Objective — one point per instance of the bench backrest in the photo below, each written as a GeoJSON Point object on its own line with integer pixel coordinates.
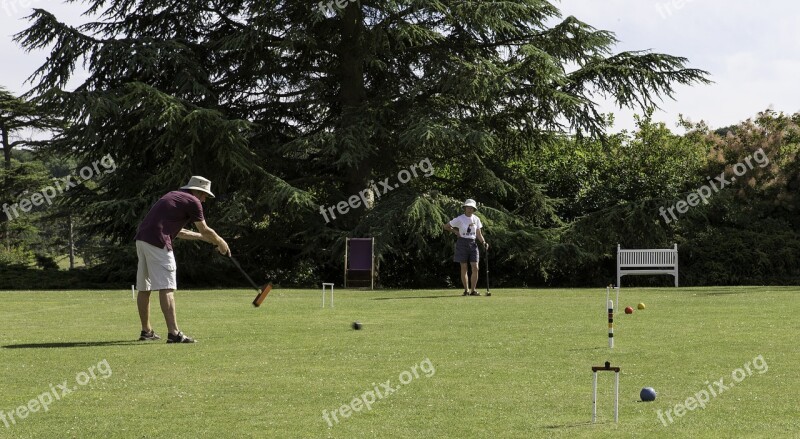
{"type": "Point", "coordinates": [647, 257]}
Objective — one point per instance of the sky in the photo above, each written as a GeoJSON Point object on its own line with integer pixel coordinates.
{"type": "Point", "coordinates": [751, 50]}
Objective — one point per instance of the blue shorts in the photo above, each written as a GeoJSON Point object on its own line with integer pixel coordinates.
{"type": "Point", "coordinates": [466, 251]}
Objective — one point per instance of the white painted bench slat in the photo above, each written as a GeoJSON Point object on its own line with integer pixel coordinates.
{"type": "Point", "coordinates": [647, 261]}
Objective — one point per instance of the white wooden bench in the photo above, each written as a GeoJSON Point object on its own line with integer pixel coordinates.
{"type": "Point", "coordinates": [650, 261]}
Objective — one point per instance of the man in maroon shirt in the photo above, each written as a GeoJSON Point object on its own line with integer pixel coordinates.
{"type": "Point", "coordinates": [157, 270]}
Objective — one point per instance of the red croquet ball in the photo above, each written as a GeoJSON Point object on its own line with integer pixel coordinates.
{"type": "Point", "coordinates": [628, 310]}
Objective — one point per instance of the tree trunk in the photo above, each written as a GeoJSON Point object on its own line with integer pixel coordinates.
{"type": "Point", "coordinates": [4, 195]}
{"type": "Point", "coordinates": [353, 96]}
{"type": "Point", "coordinates": [6, 148]}
{"type": "Point", "coordinates": [71, 243]}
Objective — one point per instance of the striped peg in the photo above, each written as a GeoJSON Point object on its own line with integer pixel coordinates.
{"type": "Point", "coordinates": [610, 323]}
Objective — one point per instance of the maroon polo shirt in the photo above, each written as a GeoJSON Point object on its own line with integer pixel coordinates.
{"type": "Point", "coordinates": [168, 216]}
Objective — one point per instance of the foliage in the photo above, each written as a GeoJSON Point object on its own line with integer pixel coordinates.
{"type": "Point", "coordinates": [290, 109]}
{"type": "Point", "coordinates": [746, 234]}
{"type": "Point", "coordinates": [286, 107]}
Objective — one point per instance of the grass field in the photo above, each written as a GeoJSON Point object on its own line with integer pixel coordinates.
{"type": "Point", "coordinates": [515, 365]}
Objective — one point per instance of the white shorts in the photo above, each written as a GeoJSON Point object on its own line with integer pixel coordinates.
{"type": "Point", "coordinates": [157, 269]}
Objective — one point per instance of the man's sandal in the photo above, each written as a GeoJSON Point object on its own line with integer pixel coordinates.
{"type": "Point", "coordinates": [179, 338]}
{"type": "Point", "coordinates": [146, 336]}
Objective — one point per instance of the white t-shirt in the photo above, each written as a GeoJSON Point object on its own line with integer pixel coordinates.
{"type": "Point", "coordinates": [467, 226]}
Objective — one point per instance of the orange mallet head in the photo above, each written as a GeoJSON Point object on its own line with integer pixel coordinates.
{"type": "Point", "coordinates": [262, 295]}
{"type": "Point", "coordinates": [262, 291]}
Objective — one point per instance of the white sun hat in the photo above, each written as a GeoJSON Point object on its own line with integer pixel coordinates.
{"type": "Point", "coordinates": [200, 184]}
{"type": "Point", "coordinates": [470, 203]}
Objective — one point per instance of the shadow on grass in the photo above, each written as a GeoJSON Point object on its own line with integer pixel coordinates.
{"type": "Point", "coordinates": [77, 344]}
{"type": "Point", "coordinates": [577, 424]}
{"type": "Point", "coordinates": [417, 297]}
{"type": "Point", "coordinates": [587, 349]}
{"type": "Point", "coordinates": [720, 293]}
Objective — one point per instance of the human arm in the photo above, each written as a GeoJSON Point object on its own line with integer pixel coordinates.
{"type": "Point", "coordinates": [208, 235]}
{"type": "Point", "coordinates": [190, 235]}
{"type": "Point", "coordinates": [482, 239]}
{"type": "Point", "coordinates": [447, 227]}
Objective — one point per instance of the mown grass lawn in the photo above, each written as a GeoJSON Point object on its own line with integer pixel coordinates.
{"type": "Point", "coordinates": [515, 365]}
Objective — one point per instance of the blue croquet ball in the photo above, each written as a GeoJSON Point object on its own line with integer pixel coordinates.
{"type": "Point", "coordinates": [356, 325]}
{"type": "Point", "coordinates": [648, 394]}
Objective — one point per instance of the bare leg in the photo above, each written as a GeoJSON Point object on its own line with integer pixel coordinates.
{"type": "Point", "coordinates": [167, 299]}
{"type": "Point", "coordinates": [464, 277]}
{"type": "Point", "coordinates": [143, 302]}
{"type": "Point", "coordinates": [474, 275]}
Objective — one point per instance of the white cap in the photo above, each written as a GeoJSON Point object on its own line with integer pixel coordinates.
{"type": "Point", "coordinates": [470, 203]}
